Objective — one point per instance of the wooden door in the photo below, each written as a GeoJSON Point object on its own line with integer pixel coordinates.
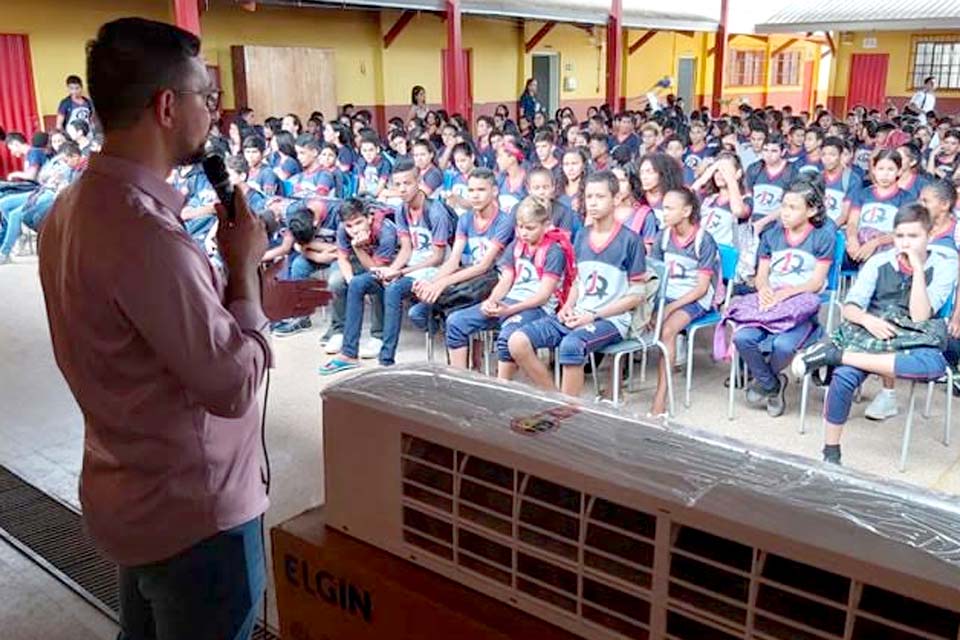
{"type": "Point", "coordinates": [274, 81]}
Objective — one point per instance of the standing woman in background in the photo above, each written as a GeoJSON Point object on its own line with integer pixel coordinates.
{"type": "Point", "coordinates": [418, 103]}
{"type": "Point", "coordinates": [529, 105]}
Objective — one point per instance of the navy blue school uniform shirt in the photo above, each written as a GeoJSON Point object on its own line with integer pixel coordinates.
{"type": "Point", "coordinates": [519, 263]}
{"type": "Point", "coordinates": [768, 188]}
{"type": "Point", "coordinates": [793, 257]}
{"type": "Point", "coordinates": [486, 156]}
{"type": "Point", "coordinates": [382, 246]}
{"type": "Point", "coordinates": [265, 180]}
{"type": "Point", "coordinates": [431, 180]}
{"type": "Point", "coordinates": [694, 157]}
{"type": "Point", "coordinates": [289, 165]}
{"type": "Point", "coordinates": [76, 111]}
{"type": "Point", "coordinates": [838, 186]}
{"type": "Point", "coordinates": [606, 270]}
{"type": "Point", "coordinates": [481, 238]}
{"type": "Point", "coordinates": [371, 174]}
{"type": "Point", "coordinates": [631, 142]}
{"type": "Point", "coordinates": [685, 261]}
{"type": "Point", "coordinates": [793, 157]}
{"type": "Point", "coordinates": [426, 228]}
{"type": "Point", "coordinates": [915, 184]}
{"type": "Point", "coordinates": [718, 219]}
{"type": "Point", "coordinates": [876, 210]}
{"type": "Point", "coordinates": [511, 193]}
{"type": "Point", "coordinates": [947, 242]}
{"type": "Point", "coordinates": [346, 158]}
{"type": "Point", "coordinates": [36, 157]}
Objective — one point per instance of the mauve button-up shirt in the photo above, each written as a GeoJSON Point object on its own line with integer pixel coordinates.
{"type": "Point", "coordinates": [165, 375]}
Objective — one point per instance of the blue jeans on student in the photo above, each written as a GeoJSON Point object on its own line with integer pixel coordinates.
{"type": "Point", "coordinates": [211, 591]}
{"type": "Point", "coordinates": [31, 214]}
{"type": "Point", "coordinates": [353, 294]}
{"type": "Point", "coordinates": [300, 268]}
{"type": "Point", "coordinates": [915, 364]}
{"type": "Point", "coordinates": [337, 285]}
{"type": "Point", "coordinates": [393, 296]}
{"type": "Point", "coordinates": [511, 325]}
{"type": "Point", "coordinates": [463, 323]}
{"type": "Point", "coordinates": [575, 344]}
{"type": "Point", "coordinates": [952, 353]}
{"type": "Point", "coordinates": [11, 201]}
{"type": "Point", "coordinates": [767, 354]}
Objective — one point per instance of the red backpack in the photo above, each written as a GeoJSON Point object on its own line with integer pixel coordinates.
{"type": "Point", "coordinates": [553, 236]}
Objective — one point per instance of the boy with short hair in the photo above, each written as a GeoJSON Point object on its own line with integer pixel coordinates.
{"type": "Point", "coordinates": [797, 138]}
{"type": "Point", "coordinates": [456, 178]}
{"type": "Point", "coordinates": [812, 144]}
{"type": "Point", "coordinates": [33, 157]}
{"type": "Point", "coordinates": [751, 151]}
{"type": "Point", "coordinates": [76, 107]}
{"type": "Point", "coordinates": [372, 168]}
{"type": "Point", "coordinates": [238, 170]}
{"type": "Point", "coordinates": [198, 213]}
{"type": "Point", "coordinates": [486, 153]}
{"type": "Point", "coordinates": [837, 178]}
{"type": "Point", "coordinates": [611, 266]}
{"type": "Point", "coordinates": [946, 160]}
{"type": "Point", "coordinates": [769, 179]}
{"type": "Point", "coordinates": [259, 175]}
{"type": "Point", "coordinates": [625, 136]}
{"type": "Point", "coordinates": [909, 281]}
{"type": "Point", "coordinates": [698, 151]}
{"type": "Point", "coordinates": [423, 228]}
{"type": "Point", "coordinates": [599, 146]}
{"type": "Point", "coordinates": [545, 147]}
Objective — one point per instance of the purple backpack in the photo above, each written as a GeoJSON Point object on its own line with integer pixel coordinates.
{"type": "Point", "coordinates": [744, 311]}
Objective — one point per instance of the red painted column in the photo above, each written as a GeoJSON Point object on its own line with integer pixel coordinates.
{"type": "Point", "coordinates": [456, 98]}
{"type": "Point", "coordinates": [186, 15]}
{"type": "Point", "coordinates": [614, 54]}
{"type": "Point", "coordinates": [718, 59]}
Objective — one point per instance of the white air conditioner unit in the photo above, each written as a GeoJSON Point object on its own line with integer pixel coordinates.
{"type": "Point", "coordinates": [612, 528]}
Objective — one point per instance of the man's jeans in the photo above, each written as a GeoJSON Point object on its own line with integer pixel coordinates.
{"type": "Point", "coordinates": [211, 591]}
{"type": "Point", "coordinates": [341, 306]}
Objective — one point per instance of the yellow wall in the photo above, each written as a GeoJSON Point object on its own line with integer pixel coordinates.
{"type": "Point", "coordinates": [58, 32]}
{"type": "Point", "coordinates": [581, 57]}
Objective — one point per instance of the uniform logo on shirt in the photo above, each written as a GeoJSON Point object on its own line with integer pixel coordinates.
{"type": "Point", "coordinates": [766, 197]}
{"type": "Point", "coordinates": [831, 201]}
{"type": "Point", "coordinates": [693, 161]}
{"type": "Point", "coordinates": [877, 215]}
{"type": "Point", "coordinates": [788, 263]}
{"type": "Point", "coordinates": [596, 286]}
{"type": "Point", "coordinates": [421, 238]}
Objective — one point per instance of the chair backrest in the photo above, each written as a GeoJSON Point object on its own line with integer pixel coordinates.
{"type": "Point", "coordinates": [839, 251]}
{"type": "Point", "coordinates": [286, 186]}
{"type": "Point", "coordinates": [660, 269]}
{"type": "Point", "coordinates": [947, 309]}
{"type": "Point", "coordinates": [729, 258]}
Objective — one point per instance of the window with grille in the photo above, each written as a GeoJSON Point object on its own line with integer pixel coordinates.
{"type": "Point", "coordinates": [786, 68]}
{"type": "Point", "coordinates": [937, 56]}
{"type": "Point", "coordinates": [745, 68]}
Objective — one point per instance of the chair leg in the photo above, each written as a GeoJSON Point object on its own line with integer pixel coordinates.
{"type": "Point", "coordinates": [686, 397]}
{"type": "Point", "coordinates": [929, 402]}
{"type": "Point", "coordinates": [946, 422]}
{"type": "Point", "coordinates": [596, 378]}
{"type": "Point", "coordinates": [804, 396]}
{"type": "Point", "coordinates": [733, 383]}
{"type": "Point", "coordinates": [630, 368]}
{"type": "Point", "coordinates": [556, 368]}
{"type": "Point", "coordinates": [671, 409]}
{"type": "Point", "coordinates": [616, 378]}
{"type": "Point", "coordinates": [905, 445]}
{"type": "Point", "coordinates": [429, 339]}
{"type": "Point", "coordinates": [643, 367]}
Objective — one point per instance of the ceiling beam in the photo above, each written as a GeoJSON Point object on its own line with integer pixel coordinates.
{"type": "Point", "coordinates": [833, 46]}
{"type": "Point", "coordinates": [783, 47]}
{"type": "Point", "coordinates": [398, 28]}
{"type": "Point", "coordinates": [539, 36]}
{"type": "Point", "coordinates": [642, 40]}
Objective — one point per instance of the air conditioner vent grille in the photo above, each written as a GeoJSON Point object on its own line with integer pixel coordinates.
{"type": "Point", "coordinates": [595, 561]}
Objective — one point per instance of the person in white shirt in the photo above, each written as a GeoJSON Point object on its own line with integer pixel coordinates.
{"type": "Point", "coordinates": [924, 100]}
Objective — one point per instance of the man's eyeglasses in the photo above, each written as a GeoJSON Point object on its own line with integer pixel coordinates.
{"type": "Point", "coordinates": [211, 97]}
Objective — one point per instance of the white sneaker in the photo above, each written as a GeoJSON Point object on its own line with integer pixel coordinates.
{"type": "Point", "coordinates": [370, 348]}
{"type": "Point", "coordinates": [334, 344]}
{"type": "Point", "coordinates": [883, 406]}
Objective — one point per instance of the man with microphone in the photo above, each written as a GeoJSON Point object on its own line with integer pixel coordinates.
{"type": "Point", "coordinates": [164, 357]}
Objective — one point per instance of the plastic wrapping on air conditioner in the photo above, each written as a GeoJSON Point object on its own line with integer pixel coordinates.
{"type": "Point", "coordinates": [615, 528]}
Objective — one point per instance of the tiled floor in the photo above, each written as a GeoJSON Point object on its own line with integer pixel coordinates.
{"type": "Point", "coordinates": [41, 439]}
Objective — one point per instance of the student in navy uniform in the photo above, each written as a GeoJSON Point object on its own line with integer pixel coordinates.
{"type": "Point", "coordinates": [631, 212]}
{"type": "Point", "coordinates": [597, 313]}
{"type": "Point", "coordinates": [338, 135]}
{"type": "Point", "coordinates": [76, 107]}
{"type": "Point", "coordinates": [939, 197]}
{"type": "Point", "coordinates": [797, 139]}
{"type": "Point", "coordinates": [751, 151]}
{"type": "Point", "coordinates": [512, 178]}
{"type": "Point", "coordinates": [423, 227]}
{"type": "Point", "coordinates": [871, 210]}
{"type": "Point", "coordinates": [769, 179]}
{"type": "Point", "coordinates": [698, 151]}
{"type": "Point", "coordinates": [259, 174]}
{"type": "Point", "coordinates": [285, 155]}
{"type": "Point", "coordinates": [599, 146]}
{"type": "Point", "coordinates": [574, 162]}
{"type": "Point", "coordinates": [524, 293]}
{"type": "Point", "coordinates": [34, 156]}
{"type": "Point", "coordinates": [486, 153]}
{"type": "Point", "coordinates": [659, 173]}
{"type": "Point", "coordinates": [373, 170]}
{"type": "Point", "coordinates": [625, 134]}
{"type": "Point", "coordinates": [946, 160]}
{"type": "Point", "coordinates": [690, 256]}
{"type": "Point", "coordinates": [238, 171]}
{"type": "Point", "coordinates": [868, 143]}
{"type": "Point", "coordinates": [910, 280]}
{"type": "Point", "coordinates": [366, 241]}
{"type": "Point", "coordinates": [457, 177]}
{"type": "Point", "coordinates": [812, 144]}
{"type": "Point", "coordinates": [837, 179]}
{"type": "Point", "coordinates": [725, 201]}
{"type": "Point", "coordinates": [913, 178]}
{"type": "Point", "coordinates": [543, 189]}
{"type": "Point", "coordinates": [198, 213]}
{"type": "Point", "coordinates": [794, 257]}
{"type": "Point", "coordinates": [545, 148]}
{"type": "Point", "coordinates": [431, 178]}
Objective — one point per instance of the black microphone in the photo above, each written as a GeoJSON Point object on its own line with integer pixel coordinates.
{"type": "Point", "coordinates": [217, 174]}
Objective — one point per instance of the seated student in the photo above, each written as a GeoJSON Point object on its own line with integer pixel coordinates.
{"type": "Point", "coordinates": [650, 137]}
{"type": "Point", "coordinates": [939, 198]}
{"type": "Point", "coordinates": [373, 170]}
{"type": "Point", "coordinates": [431, 178]}
{"type": "Point", "coordinates": [870, 210]}
{"type": "Point", "coordinates": [532, 269]}
{"type": "Point", "coordinates": [284, 148]}
{"type": "Point", "coordinates": [310, 246]}
{"type": "Point", "coordinates": [399, 145]}
{"type": "Point", "coordinates": [726, 203]}
{"type": "Point", "coordinates": [448, 138]}
{"type": "Point", "coordinates": [366, 241]}
{"type": "Point", "coordinates": [867, 145]}
{"type": "Point", "coordinates": [912, 178]}
{"type": "Point", "coordinates": [541, 187]}
{"type": "Point", "coordinates": [545, 147]}
{"type": "Point", "coordinates": [674, 147]}
{"type": "Point", "coordinates": [631, 212]}
{"type": "Point", "coordinates": [511, 180]}
{"type": "Point", "coordinates": [79, 132]}
{"type": "Point", "coordinates": [574, 162]}
{"type": "Point", "coordinates": [751, 150]}
{"type": "Point", "coordinates": [812, 143]}
{"type": "Point", "coordinates": [767, 181]}
{"type": "Point", "coordinates": [39, 202]}
{"type": "Point", "coordinates": [837, 179]}
{"type": "Point", "coordinates": [909, 281]}
{"type": "Point", "coordinates": [457, 177]}
{"type": "Point", "coordinates": [259, 174]}
{"type": "Point", "coordinates": [698, 150]}
{"type": "Point", "coordinates": [338, 135]}
{"type": "Point", "coordinates": [486, 153]}
{"type": "Point", "coordinates": [794, 257]}
{"type": "Point", "coordinates": [946, 160]}
{"type": "Point", "coordinates": [659, 173]}
{"type": "Point", "coordinates": [599, 146]}
{"type": "Point", "coordinates": [198, 213]}
{"type": "Point", "coordinates": [318, 176]}
{"type": "Point", "coordinates": [690, 256]}
{"type": "Point", "coordinates": [797, 140]}
{"type": "Point", "coordinates": [624, 134]}
{"type": "Point", "coordinates": [597, 313]}
{"type": "Point", "coordinates": [238, 171]}
{"type": "Point", "coordinates": [482, 234]}
{"type": "Point", "coordinates": [423, 227]}
{"type": "Point", "coordinates": [34, 156]}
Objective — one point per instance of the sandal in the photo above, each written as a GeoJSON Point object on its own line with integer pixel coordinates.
{"type": "Point", "coordinates": [337, 366]}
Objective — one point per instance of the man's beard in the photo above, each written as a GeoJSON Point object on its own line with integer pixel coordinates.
{"type": "Point", "coordinates": [194, 156]}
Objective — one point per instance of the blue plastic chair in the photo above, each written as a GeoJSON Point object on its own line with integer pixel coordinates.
{"type": "Point", "coordinates": [286, 187]}
{"type": "Point", "coordinates": [729, 256]}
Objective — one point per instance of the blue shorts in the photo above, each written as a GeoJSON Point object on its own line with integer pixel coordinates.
{"type": "Point", "coordinates": [919, 364]}
{"type": "Point", "coordinates": [575, 345]}
{"type": "Point", "coordinates": [692, 309]}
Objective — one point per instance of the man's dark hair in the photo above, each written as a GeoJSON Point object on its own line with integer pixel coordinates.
{"type": "Point", "coordinates": [369, 136]}
{"type": "Point", "coordinates": [604, 177]}
{"type": "Point", "coordinates": [308, 141]}
{"type": "Point", "coordinates": [403, 165]}
{"type": "Point", "coordinates": [300, 224]}
{"type": "Point", "coordinates": [15, 136]}
{"type": "Point", "coordinates": [913, 212]}
{"type": "Point", "coordinates": [255, 142]}
{"type": "Point", "coordinates": [132, 59]}
{"type": "Point", "coordinates": [238, 163]}
{"type": "Point", "coordinates": [353, 208]}
{"type": "Point", "coordinates": [70, 148]}
{"type": "Point", "coordinates": [482, 173]}
{"type": "Point", "coordinates": [928, 79]}
{"type": "Point", "coordinates": [73, 79]}
{"type": "Point", "coordinates": [40, 140]}
{"type": "Point", "coordinates": [81, 126]}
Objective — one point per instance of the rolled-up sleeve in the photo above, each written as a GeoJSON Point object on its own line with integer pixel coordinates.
{"type": "Point", "coordinates": [219, 356]}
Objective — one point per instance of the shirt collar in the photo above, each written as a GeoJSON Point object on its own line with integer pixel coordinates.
{"type": "Point", "coordinates": [137, 176]}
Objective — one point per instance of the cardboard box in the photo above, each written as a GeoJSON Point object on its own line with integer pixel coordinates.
{"type": "Point", "coordinates": [333, 587]}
